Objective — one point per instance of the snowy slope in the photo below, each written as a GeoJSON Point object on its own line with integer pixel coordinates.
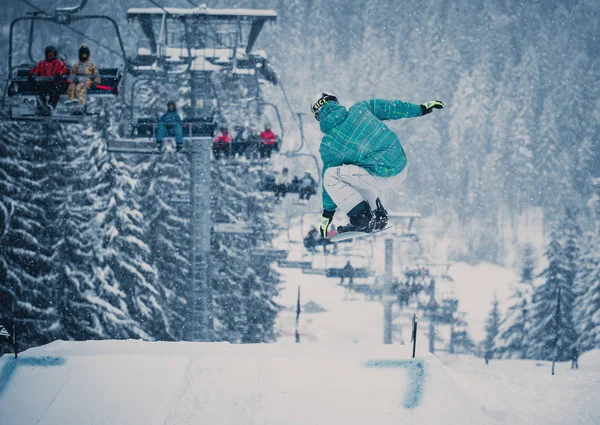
{"type": "Point", "coordinates": [144, 383]}
{"type": "Point", "coordinates": [473, 285]}
{"type": "Point", "coordinates": [345, 320]}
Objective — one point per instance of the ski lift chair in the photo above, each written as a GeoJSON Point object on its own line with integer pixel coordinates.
{"type": "Point", "coordinates": [140, 136]}
{"type": "Point", "coordinates": [20, 96]}
{"type": "Point", "coordinates": [23, 98]}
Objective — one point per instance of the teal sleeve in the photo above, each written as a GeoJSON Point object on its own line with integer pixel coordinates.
{"type": "Point", "coordinates": [394, 109]}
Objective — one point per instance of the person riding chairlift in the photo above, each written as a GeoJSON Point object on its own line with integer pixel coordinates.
{"type": "Point", "coordinates": [282, 183]}
{"type": "Point", "coordinates": [170, 124]}
{"type": "Point", "coordinates": [268, 141]}
{"type": "Point", "coordinates": [307, 188]}
{"type": "Point", "coordinates": [222, 143]}
{"type": "Point", "coordinates": [52, 82]}
{"type": "Point", "coordinates": [85, 75]}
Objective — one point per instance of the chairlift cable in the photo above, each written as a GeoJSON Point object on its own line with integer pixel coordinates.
{"type": "Point", "coordinates": [81, 34]}
{"type": "Point", "coordinates": [287, 101]}
{"type": "Point", "coordinates": [33, 6]}
{"type": "Point", "coordinates": [94, 41]}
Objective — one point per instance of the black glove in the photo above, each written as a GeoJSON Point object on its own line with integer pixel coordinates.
{"type": "Point", "coordinates": [94, 86]}
{"type": "Point", "coordinates": [59, 77]}
{"type": "Point", "coordinates": [325, 221]}
{"type": "Point", "coordinates": [427, 107]}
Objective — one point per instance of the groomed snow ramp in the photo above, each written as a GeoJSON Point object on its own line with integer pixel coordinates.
{"type": "Point", "coordinates": [144, 383]}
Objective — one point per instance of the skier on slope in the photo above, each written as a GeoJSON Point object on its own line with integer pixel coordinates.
{"type": "Point", "coordinates": [361, 155]}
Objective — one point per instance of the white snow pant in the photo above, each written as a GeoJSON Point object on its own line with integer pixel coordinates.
{"type": "Point", "coordinates": [349, 185]}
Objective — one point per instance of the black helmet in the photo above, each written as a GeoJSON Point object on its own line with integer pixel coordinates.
{"type": "Point", "coordinates": [223, 129]}
{"type": "Point", "coordinates": [321, 99]}
{"type": "Point", "coordinates": [171, 102]}
{"type": "Point", "coordinates": [84, 53]}
{"type": "Point", "coordinates": [285, 170]}
{"type": "Point", "coordinates": [267, 126]}
{"type": "Point", "coordinates": [50, 49]}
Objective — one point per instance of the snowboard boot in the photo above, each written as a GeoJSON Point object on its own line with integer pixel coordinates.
{"type": "Point", "coordinates": [362, 219]}
{"type": "Point", "coordinates": [159, 146]}
{"type": "Point", "coordinates": [178, 147]}
{"type": "Point", "coordinates": [381, 218]}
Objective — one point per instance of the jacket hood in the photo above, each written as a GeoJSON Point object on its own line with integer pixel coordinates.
{"type": "Point", "coordinates": [331, 115]}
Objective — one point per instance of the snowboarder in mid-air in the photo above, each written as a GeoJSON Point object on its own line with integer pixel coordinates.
{"type": "Point", "coordinates": [361, 156]}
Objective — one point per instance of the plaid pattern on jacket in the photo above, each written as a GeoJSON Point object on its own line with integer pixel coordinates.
{"type": "Point", "coordinates": [359, 137]}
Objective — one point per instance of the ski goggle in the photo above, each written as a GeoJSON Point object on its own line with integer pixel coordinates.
{"type": "Point", "coordinates": [325, 97]}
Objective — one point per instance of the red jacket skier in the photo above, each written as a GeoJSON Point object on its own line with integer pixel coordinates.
{"type": "Point", "coordinates": [49, 90]}
{"type": "Point", "coordinates": [223, 138]}
{"type": "Point", "coordinates": [268, 141]}
{"type": "Point", "coordinates": [267, 137]}
{"type": "Point", "coordinates": [222, 144]}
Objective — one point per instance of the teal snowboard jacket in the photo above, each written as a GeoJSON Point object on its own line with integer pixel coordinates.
{"type": "Point", "coordinates": [359, 137]}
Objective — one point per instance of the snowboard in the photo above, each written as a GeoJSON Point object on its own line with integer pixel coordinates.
{"type": "Point", "coordinates": [351, 235]}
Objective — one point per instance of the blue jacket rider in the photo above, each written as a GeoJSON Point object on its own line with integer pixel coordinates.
{"type": "Point", "coordinates": [170, 124]}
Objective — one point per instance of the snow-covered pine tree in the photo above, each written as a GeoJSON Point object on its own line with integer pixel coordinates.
{"type": "Point", "coordinates": [492, 326]}
{"type": "Point", "coordinates": [166, 228]}
{"type": "Point", "coordinates": [548, 152]}
{"type": "Point", "coordinates": [25, 263]}
{"type": "Point", "coordinates": [587, 306]}
{"type": "Point", "coordinates": [553, 333]}
{"type": "Point", "coordinates": [72, 236]}
{"type": "Point", "coordinates": [166, 232]}
{"type": "Point", "coordinates": [261, 287]}
{"type": "Point", "coordinates": [587, 311]}
{"type": "Point", "coordinates": [512, 340]}
{"type": "Point", "coordinates": [244, 286]}
{"type": "Point", "coordinates": [124, 277]}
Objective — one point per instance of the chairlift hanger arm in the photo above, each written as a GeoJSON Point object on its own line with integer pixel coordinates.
{"type": "Point", "coordinates": [11, 35]}
{"type": "Point", "coordinates": [30, 43]}
{"type": "Point", "coordinates": [115, 26]}
{"type": "Point", "coordinates": [55, 19]}
{"type": "Point", "coordinates": [278, 117]}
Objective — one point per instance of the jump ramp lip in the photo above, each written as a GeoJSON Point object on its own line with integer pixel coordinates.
{"type": "Point", "coordinates": [137, 382]}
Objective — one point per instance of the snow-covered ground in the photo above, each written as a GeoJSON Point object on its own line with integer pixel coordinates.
{"type": "Point", "coordinates": [146, 383]}
{"type": "Point", "coordinates": [346, 318]}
